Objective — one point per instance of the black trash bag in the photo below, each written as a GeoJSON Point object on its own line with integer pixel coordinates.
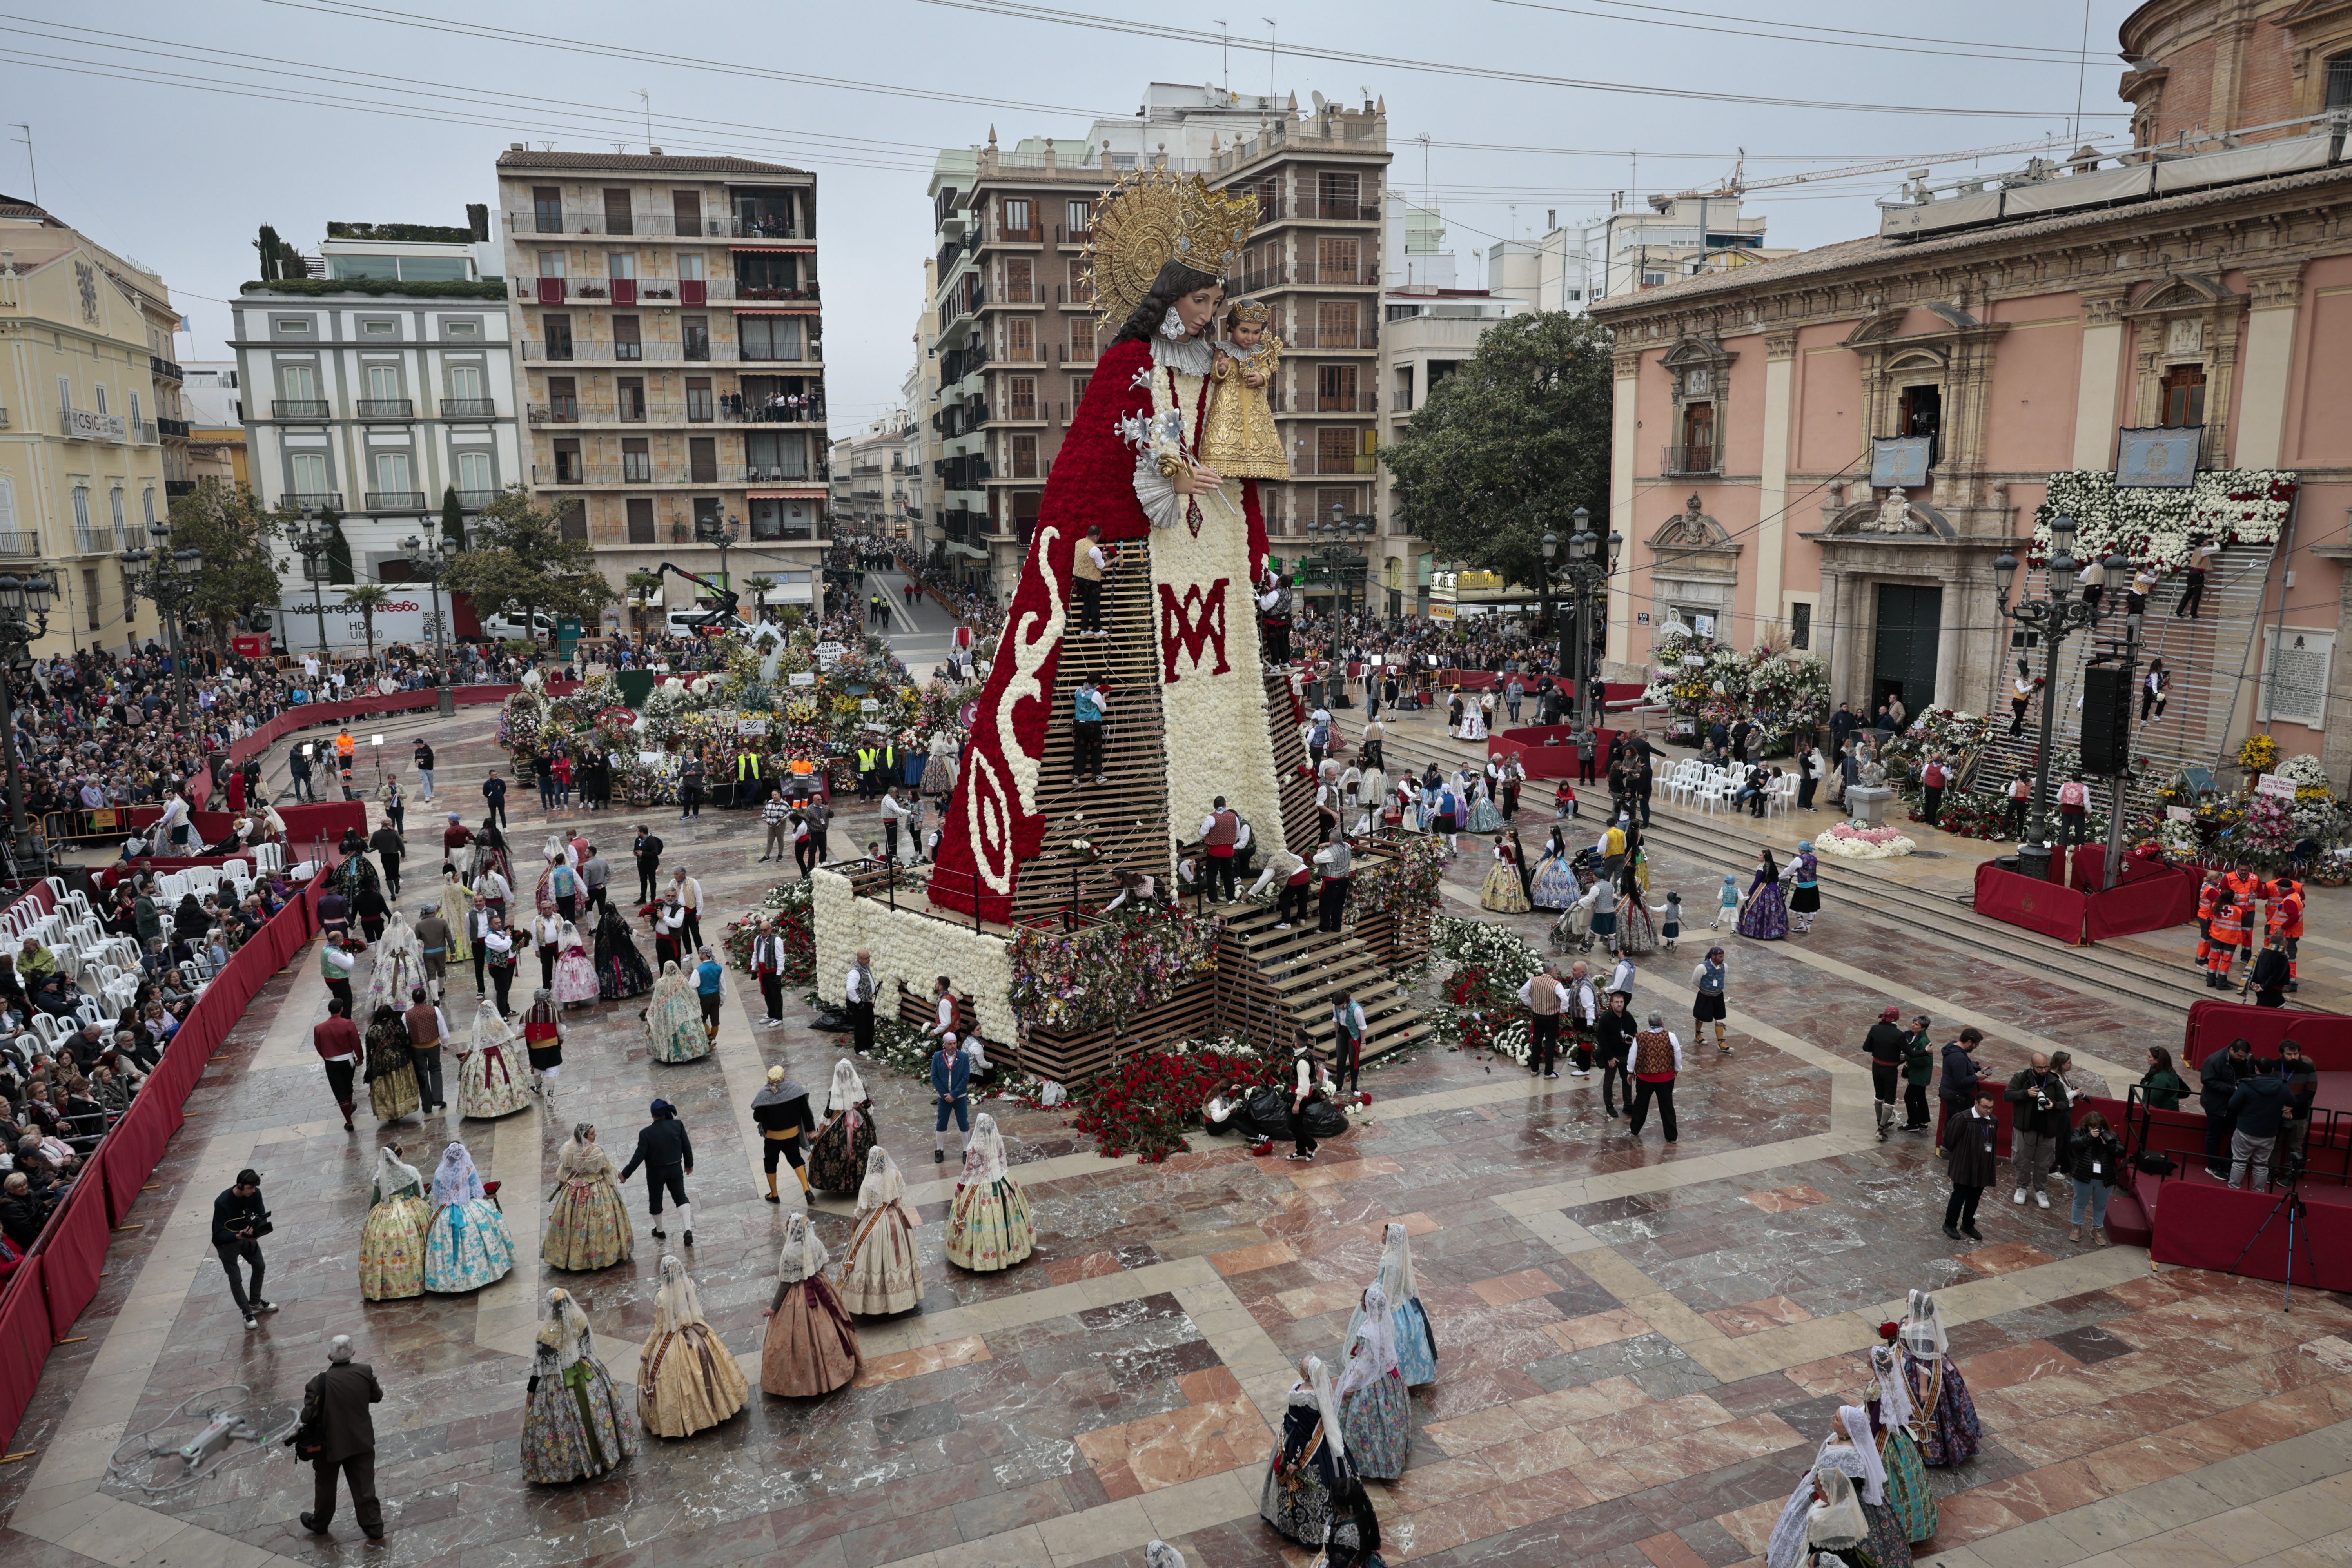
{"type": "Point", "coordinates": [1267, 1113]}
{"type": "Point", "coordinates": [831, 1021]}
{"type": "Point", "coordinates": [1325, 1120]}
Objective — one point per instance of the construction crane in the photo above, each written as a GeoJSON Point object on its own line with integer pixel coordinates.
{"type": "Point", "coordinates": [1735, 183]}
{"type": "Point", "coordinates": [706, 622]}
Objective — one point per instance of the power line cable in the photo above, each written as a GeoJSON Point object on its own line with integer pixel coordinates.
{"type": "Point", "coordinates": [1020, 11]}
{"type": "Point", "coordinates": [1980, 52]}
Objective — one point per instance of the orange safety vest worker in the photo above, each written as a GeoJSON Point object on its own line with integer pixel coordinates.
{"type": "Point", "coordinates": [345, 745]}
{"type": "Point", "coordinates": [2230, 924]}
{"type": "Point", "coordinates": [2205, 897]}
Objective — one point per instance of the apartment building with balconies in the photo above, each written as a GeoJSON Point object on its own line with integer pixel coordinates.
{"type": "Point", "coordinates": [83, 408]}
{"type": "Point", "coordinates": [1012, 334]}
{"type": "Point", "coordinates": [671, 365]}
{"type": "Point", "coordinates": [376, 386]}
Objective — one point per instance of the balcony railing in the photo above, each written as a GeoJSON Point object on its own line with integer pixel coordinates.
{"type": "Point", "coordinates": [394, 500]}
{"type": "Point", "coordinates": [535, 351]}
{"type": "Point", "coordinates": [1344, 402]}
{"type": "Point", "coordinates": [664, 475]}
{"type": "Point", "coordinates": [1306, 274]}
{"type": "Point", "coordinates": [654, 225]}
{"type": "Point", "coordinates": [468, 408]}
{"type": "Point", "coordinates": [144, 431]}
{"type": "Point", "coordinates": [300, 408]}
{"type": "Point", "coordinates": [174, 489]}
{"type": "Point", "coordinates": [386, 408]}
{"type": "Point", "coordinates": [1692, 458]}
{"type": "Point", "coordinates": [475, 500]}
{"type": "Point", "coordinates": [315, 500]}
{"type": "Point", "coordinates": [748, 292]}
{"type": "Point", "coordinates": [19, 543]}
{"type": "Point", "coordinates": [93, 542]}
{"type": "Point", "coordinates": [157, 364]}
{"type": "Point", "coordinates": [1346, 463]}
{"type": "Point", "coordinates": [1363, 338]}
{"type": "Point", "coordinates": [174, 428]}
{"type": "Point", "coordinates": [1316, 209]}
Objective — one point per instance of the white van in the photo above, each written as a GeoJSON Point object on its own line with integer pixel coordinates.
{"type": "Point", "coordinates": [509, 626]}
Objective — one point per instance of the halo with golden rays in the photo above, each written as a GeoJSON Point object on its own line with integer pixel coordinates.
{"type": "Point", "coordinates": [1152, 216]}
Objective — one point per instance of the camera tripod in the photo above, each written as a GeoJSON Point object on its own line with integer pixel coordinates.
{"type": "Point", "coordinates": [2290, 1202]}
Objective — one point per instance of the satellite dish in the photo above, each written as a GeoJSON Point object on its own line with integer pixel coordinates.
{"type": "Point", "coordinates": [1319, 103]}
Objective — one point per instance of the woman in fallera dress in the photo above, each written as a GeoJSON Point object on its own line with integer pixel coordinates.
{"type": "Point", "coordinates": [687, 1380]}
{"type": "Point", "coordinates": [882, 1272]}
{"type": "Point", "coordinates": [396, 967]}
{"type": "Point", "coordinates": [391, 1070]}
{"type": "Point", "coordinates": [1765, 914]}
{"type": "Point", "coordinates": [1851, 1451]}
{"type": "Point", "coordinates": [1375, 1411]}
{"type": "Point", "coordinates": [1503, 892]}
{"type": "Point", "coordinates": [457, 905]}
{"type": "Point", "coordinates": [621, 970]}
{"type": "Point", "coordinates": [989, 1227]}
{"type": "Point", "coordinates": [1486, 817]}
{"type": "Point", "coordinates": [1945, 1412]}
{"type": "Point", "coordinates": [468, 1246]}
{"type": "Point", "coordinates": [543, 1039]}
{"type": "Point", "coordinates": [587, 1222]}
{"type": "Point", "coordinates": [575, 1425]}
{"type": "Point", "coordinates": [1415, 1342]}
{"type": "Point", "coordinates": [1908, 1492]}
{"type": "Point", "coordinates": [673, 1031]}
{"type": "Point", "coordinates": [811, 1347]}
{"type": "Point", "coordinates": [836, 1160]}
{"type": "Point", "coordinates": [575, 972]}
{"type": "Point", "coordinates": [491, 1082]}
{"type": "Point", "coordinates": [392, 1242]}
{"type": "Point", "coordinates": [1309, 1461]}
{"type": "Point", "coordinates": [1555, 885]}
{"type": "Point", "coordinates": [1637, 934]}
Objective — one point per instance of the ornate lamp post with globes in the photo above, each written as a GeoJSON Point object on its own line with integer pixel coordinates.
{"type": "Point", "coordinates": [1590, 561]}
{"type": "Point", "coordinates": [434, 564]}
{"type": "Point", "coordinates": [24, 620]}
{"type": "Point", "coordinates": [2059, 613]}
{"type": "Point", "coordinates": [168, 576]}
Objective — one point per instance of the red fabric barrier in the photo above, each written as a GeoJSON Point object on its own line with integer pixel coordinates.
{"type": "Point", "coordinates": [2326, 1038]}
{"type": "Point", "coordinates": [2025, 902]}
{"type": "Point", "coordinates": [1541, 752]}
{"type": "Point", "coordinates": [2143, 903]}
{"type": "Point", "coordinates": [73, 1254]}
{"type": "Point", "coordinates": [133, 1147]}
{"type": "Point", "coordinates": [25, 1339]}
{"type": "Point", "coordinates": [304, 824]}
{"type": "Point", "coordinates": [313, 714]}
{"type": "Point", "coordinates": [2204, 1225]}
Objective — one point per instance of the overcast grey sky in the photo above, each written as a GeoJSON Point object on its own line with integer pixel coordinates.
{"type": "Point", "coordinates": [169, 132]}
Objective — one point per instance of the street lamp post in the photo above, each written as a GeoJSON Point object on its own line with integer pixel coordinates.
{"type": "Point", "coordinates": [167, 577]}
{"type": "Point", "coordinates": [1341, 562]}
{"type": "Point", "coordinates": [1590, 561]}
{"type": "Point", "coordinates": [725, 535]}
{"type": "Point", "coordinates": [24, 620]}
{"type": "Point", "coordinates": [2054, 617]}
{"type": "Point", "coordinates": [2132, 623]}
{"type": "Point", "coordinates": [434, 563]}
{"type": "Point", "coordinates": [314, 542]}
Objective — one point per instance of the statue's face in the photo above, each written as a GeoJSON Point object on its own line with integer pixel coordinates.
{"type": "Point", "coordinates": [1199, 307]}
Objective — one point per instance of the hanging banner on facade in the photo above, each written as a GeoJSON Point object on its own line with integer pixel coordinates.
{"type": "Point", "coordinates": [2157, 459]}
{"type": "Point", "coordinates": [2294, 675]}
{"type": "Point", "coordinates": [1899, 462]}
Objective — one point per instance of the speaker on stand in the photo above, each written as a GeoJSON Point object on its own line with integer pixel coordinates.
{"type": "Point", "coordinates": [2106, 719]}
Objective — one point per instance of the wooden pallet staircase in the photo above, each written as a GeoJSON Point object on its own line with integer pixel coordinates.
{"type": "Point", "coordinates": [1277, 987]}
{"type": "Point", "coordinates": [1127, 819]}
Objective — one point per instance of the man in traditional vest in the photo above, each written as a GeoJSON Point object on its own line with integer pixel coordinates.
{"type": "Point", "coordinates": [426, 1029]}
{"type": "Point", "coordinates": [1347, 1039]}
{"type": "Point", "coordinates": [1541, 997]}
{"type": "Point", "coordinates": [1086, 567]}
{"type": "Point", "coordinates": [1657, 1057]}
{"type": "Point", "coordinates": [1219, 829]}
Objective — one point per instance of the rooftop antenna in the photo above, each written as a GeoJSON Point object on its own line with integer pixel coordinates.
{"type": "Point", "coordinates": [1273, 36]}
{"type": "Point", "coordinates": [27, 139]}
{"type": "Point", "coordinates": [1225, 52]}
{"type": "Point", "coordinates": [2081, 64]}
{"type": "Point", "coordinates": [1423, 140]}
{"type": "Point", "coordinates": [647, 99]}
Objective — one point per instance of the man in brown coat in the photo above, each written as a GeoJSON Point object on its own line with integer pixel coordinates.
{"type": "Point", "coordinates": [335, 1409]}
{"type": "Point", "coordinates": [427, 1030]}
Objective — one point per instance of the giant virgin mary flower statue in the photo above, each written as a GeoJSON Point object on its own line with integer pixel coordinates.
{"type": "Point", "coordinates": [1194, 540]}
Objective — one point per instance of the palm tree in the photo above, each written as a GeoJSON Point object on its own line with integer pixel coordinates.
{"type": "Point", "coordinates": [367, 598]}
{"type": "Point", "coordinates": [642, 587]}
{"type": "Point", "coordinates": [761, 585]}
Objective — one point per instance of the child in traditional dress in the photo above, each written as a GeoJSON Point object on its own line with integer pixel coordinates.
{"type": "Point", "coordinates": [1239, 440]}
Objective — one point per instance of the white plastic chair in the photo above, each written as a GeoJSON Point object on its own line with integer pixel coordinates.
{"type": "Point", "coordinates": [50, 1029]}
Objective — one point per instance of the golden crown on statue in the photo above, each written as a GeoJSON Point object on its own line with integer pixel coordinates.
{"type": "Point", "coordinates": [1151, 217]}
{"type": "Point", "coordinates": [1254, 312]}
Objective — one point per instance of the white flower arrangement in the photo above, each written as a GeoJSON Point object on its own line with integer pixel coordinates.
{"type": "Point", "coordinates": [2160, 527]}
{"type": "Point", "coordinates": [910, 947]}
{"type": "Point", "coordinates": [1855, 841]}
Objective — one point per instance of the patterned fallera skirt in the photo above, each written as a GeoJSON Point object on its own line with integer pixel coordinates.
{"type": "Point", "coordinates": [466, 1248]}
{"type": "Point", "coordinates": [391, 1249]}
{"type": "Point", "coordinates": [989, 1228]}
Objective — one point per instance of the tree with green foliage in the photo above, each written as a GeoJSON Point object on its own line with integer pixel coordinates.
{"type": "Point", "coordinates": [367, 598]}
{"type": "Point", "coordinates": [453, 517]}
{"type": "Point", "coordinates": [225, 524]}
{"type": "Point", "coordinates": [1507, 448]}
{"type": "Point", "coordinates": [522, 564]}
{"type": "Point", "coordinates": [340, 569]}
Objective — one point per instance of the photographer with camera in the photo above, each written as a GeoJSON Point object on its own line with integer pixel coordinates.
{"type": "Point", "coordinates": [2039, 1122]}
{"type": "Point", "coordinates": [239, 1222]}
{"type": "Point", "coordinates": [2258, 1106]}
{"type": "Point", "coordinates": [2301, 1076]}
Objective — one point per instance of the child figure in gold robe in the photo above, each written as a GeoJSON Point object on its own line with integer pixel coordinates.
{"type": "Point", "coordinates": [1241, 442]}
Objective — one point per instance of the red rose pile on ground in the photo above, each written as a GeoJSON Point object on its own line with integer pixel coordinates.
{"type": "Point", "coordinates": [1146, 1104]}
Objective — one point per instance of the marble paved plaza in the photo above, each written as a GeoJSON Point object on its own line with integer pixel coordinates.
{"type": "Point", "coordinates": [1640, 1344]}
